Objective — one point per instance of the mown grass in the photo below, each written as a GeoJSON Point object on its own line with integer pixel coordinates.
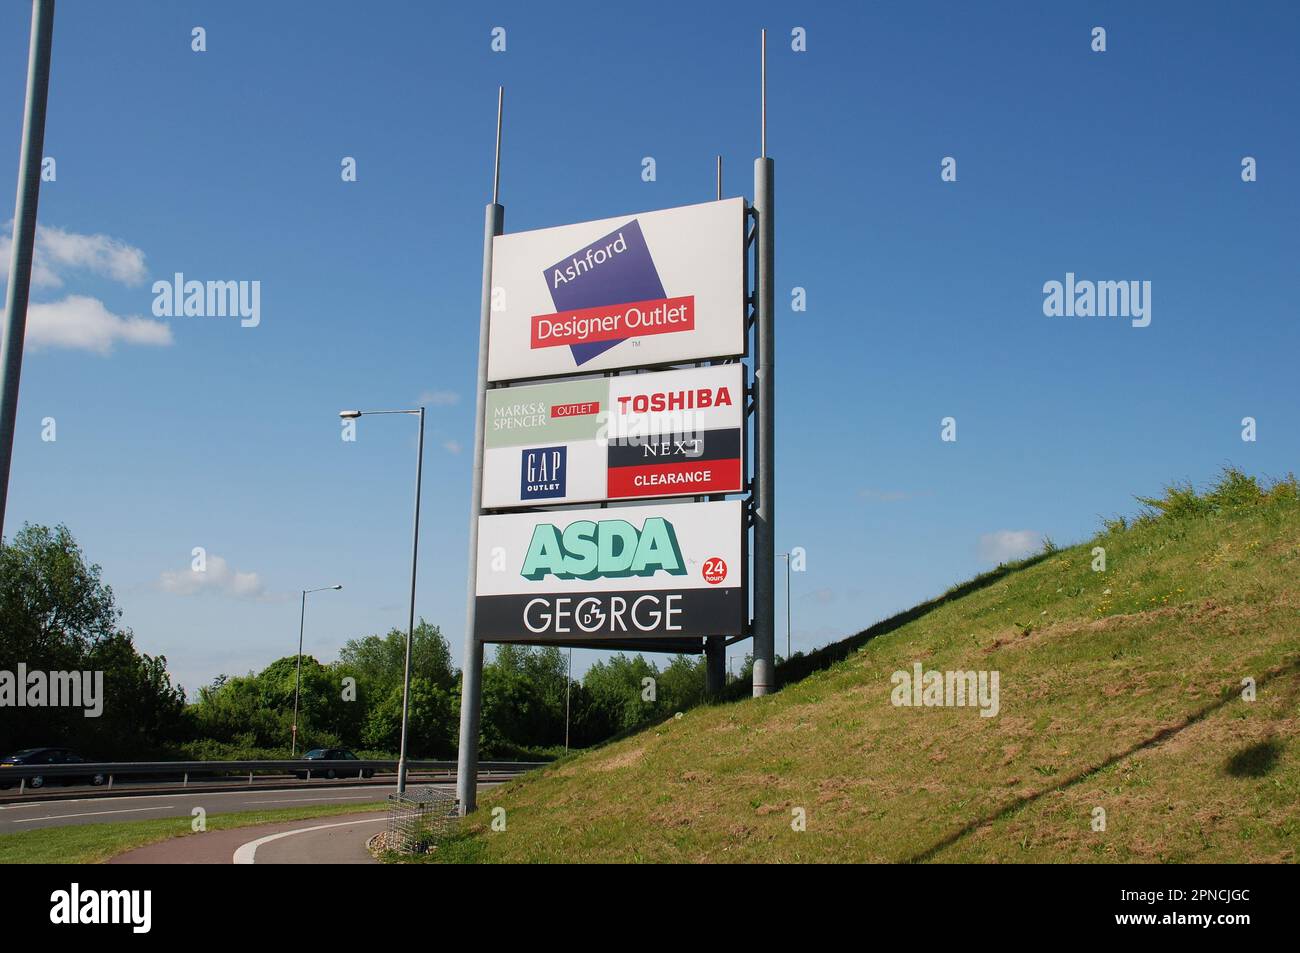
{"type": "Point", "coordinates": [95, 843]}
{"type": "Point", "coordinates": [1120, 690]}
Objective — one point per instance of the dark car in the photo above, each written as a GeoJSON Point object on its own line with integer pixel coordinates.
{"type": "Point", "coordinates": [34, 756]}
{"type": "Point", "coordinates": [334, 754]}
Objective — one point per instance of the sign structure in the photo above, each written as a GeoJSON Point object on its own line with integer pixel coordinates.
{"type": "Point", "coordinates": [633, 291]}
{"type": "Point", "coordinates": [661, 570]}
{"type": "Point", "coordinates": [638, 436]}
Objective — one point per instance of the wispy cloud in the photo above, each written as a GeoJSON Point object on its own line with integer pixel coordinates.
{"type": "Point", "coordinates": [888, 496]}
{"type": "Point", "coordinates": [1006, 545]}
{"type": "Point", "coordinates": [217, 577]}
{"type": "Point", "coordinates": [439, 398]}
{"type": "Point", "coordinates": [59, 251]}
{"type": "Point", "coordinates": [81, 322]}
{"type": "Point", "coordinates": [452, 446]}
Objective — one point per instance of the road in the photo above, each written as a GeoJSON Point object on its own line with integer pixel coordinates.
{"type": "Point", "coordinates": [100, 810]}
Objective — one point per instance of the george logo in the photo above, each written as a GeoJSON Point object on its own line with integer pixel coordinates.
{"type": "Point", "coordinates": [543, 472]}
{"type": "Point", "coordinates": [605, 293]}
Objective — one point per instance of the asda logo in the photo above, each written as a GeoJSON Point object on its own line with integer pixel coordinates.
{"type": "Point", "coordinates": [609, 548]}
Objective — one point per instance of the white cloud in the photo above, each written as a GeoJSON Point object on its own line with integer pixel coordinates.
{"type": "Point", "coordinates": [452, 446]}
{"type": "Point", "coordinates": [1008, 544]}
{"type": "Point", "coordinates": [439, 398]}
{"type": "Point", "coordinates": [58, 251]}
{"type": "Point", "coordinates": [885, 496]}
{"type": "Point", "coordinates": [82, 322]}
{"type": "Point", "coordinates": [217, 577]}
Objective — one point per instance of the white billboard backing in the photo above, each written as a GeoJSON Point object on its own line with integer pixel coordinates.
{"type": "Point", "coordinates": [631, 291]}
{"type": "Point", "coordinates": [640, 572]}
{"type": "Point", "coordinates": [636, 436]}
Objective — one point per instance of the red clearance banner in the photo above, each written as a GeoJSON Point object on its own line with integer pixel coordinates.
{"type": "Point", "coordinates": [661, 479]}
{"type": "Point", "coordinates": [613, 322]}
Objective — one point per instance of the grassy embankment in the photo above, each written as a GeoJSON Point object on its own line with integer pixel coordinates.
{"type": "Point", "coordinates": [1120, 690]}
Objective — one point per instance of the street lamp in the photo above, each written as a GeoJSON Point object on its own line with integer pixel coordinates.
{"type": "Point", "coordinates": [415, 549]}
{"type": "Point", "coordinates": [297, 682]}
{"type": "Point", "coordinates": [786, 557]}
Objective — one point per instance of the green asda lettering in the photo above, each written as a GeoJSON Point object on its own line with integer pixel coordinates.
{"type": "Point", "coordinates": [610, 548]}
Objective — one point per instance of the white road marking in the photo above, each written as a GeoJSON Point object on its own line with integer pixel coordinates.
{"type": "Point", "coordinates": [247, 853]}
{"type": "Point", "coordinates": [145, 797]}
{"type": "Point", "coordinates": [289, 800]}
{"type": "Point", "coordinates": [59, 817]}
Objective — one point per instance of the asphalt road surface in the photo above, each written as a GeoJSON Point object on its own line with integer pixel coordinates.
{"type": "Point", "coordinates": [102, 810]}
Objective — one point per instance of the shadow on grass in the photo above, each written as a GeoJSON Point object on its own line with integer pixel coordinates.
{"type": "Point", "coordinates": [1164, 734]}
{"type": "Point", "coordinates": [1255, 761]}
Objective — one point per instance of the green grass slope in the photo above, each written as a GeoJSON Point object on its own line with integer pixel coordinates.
{"type": "Point", "coordinates": [1119, 690]}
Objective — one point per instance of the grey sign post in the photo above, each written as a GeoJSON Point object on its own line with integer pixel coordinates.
{"type": "Point", "coordinates": [764, 567]}
{"type": "Point", "coordinates": [24, 239]}
{"type": "Point", "coordinates": [471, 692]}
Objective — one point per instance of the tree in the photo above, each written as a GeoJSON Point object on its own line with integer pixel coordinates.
{"type": "Point", "coordinates": [57, 615]}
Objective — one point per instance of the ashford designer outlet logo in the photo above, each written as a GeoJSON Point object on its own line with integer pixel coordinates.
{"type": "Point", "coordinates": [604, 294]}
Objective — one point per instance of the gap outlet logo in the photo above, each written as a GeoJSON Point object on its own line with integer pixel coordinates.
{"type": "Point", "coordinates": [650, 288]}
{"type": "Point", "coordinates": [542, 473]}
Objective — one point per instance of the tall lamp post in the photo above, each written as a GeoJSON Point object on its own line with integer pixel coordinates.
{"type": "Point", "coordinates": [786, 557]}
{"type": "Point", "coordinates": [297, 682]}
{"type": "Point", "coordinates": [415, 549]}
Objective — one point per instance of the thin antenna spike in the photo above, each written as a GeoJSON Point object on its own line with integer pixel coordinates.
{"type": "Point", "coordinates": [496, 165]}
{"type": "Point", "coordinates": [763, 95]}
{"type": "Point", "coordinates": [719, 178]}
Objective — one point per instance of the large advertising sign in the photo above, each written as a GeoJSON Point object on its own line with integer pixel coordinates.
{"type": "Point", "coordinates": [637, 436]}
{"type": "Point", "coordinates": [670, 571]}
{"type": "Point", "coordinates": [636, 290]}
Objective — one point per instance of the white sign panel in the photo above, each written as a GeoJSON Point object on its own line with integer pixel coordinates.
{"type": "Point", "coordinates": [669, 571]}
{"type": "Point", "coordinates": [632, 291]}
{"type": "Point", "coordinates": [637, 436]}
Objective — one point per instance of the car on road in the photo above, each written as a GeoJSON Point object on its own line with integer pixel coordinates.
{"type": "Point", "coordinates": [34, 756]}
{"type": "Point", "coordinates": [334, 754]}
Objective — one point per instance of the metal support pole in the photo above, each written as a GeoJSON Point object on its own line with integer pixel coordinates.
{"type": "Point", "coordinates": [568, 685]}
{"type": "Point", "coordinates": [788, 651]}
{"type": "Point", "coordinates": [715, 664]}
{"type": "Point", "coordinates": [297, 682]}
{"type": "Point", "coordinates": [765, 367]}
{"type": "Point", "coordinates": [30, 154]}
{"type": "Point", "coordinates": [410, 620]}
{"type": "Point", "coordinates": [471, 694]}
{"type": "Point", "coordinates": [471, 691]}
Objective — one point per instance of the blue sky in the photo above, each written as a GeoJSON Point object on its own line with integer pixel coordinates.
{"type": "Point", "coordinates": [924, 297]}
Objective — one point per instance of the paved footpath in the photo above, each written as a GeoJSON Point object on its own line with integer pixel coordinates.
{"type": "Point", "coordinates": [318, 840]}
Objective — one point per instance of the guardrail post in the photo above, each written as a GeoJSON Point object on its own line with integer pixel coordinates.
{"type": "Point", "coordinates": [250, 777]}
{"type": "Point", "coordinates": [110, 782]}
{"type": "Point", "coordinates": [186, 780]}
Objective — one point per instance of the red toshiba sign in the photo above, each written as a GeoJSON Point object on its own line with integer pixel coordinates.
{"type": "Point", "coordinates": [613, 322]}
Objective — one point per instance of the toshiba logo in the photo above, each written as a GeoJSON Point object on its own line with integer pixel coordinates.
{"type": "Point", "coordinates": [698, 399]}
